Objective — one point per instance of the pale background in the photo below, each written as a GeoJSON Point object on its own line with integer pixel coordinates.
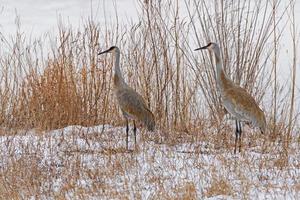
{"type": "Point", "coordinates": [40, 17]}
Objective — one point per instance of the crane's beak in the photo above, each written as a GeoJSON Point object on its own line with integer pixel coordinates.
{"type": "Point", "coordinates": [201, 48]}
{"type": "Point", "coordinates": [106, 51]}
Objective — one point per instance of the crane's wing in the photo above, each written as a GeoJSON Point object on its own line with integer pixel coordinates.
{"type": "Point", "coordinates": [133, 106]}
{"type": "Point", "coordinates": [241, 104]}
{"type": "Point", "coordinates": [130, 101]}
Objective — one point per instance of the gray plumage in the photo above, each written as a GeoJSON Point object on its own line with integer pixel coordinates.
{"type": "Point", "coordinates": [131, 103]}
{"type": "Point", "coordinates": [237, 101]}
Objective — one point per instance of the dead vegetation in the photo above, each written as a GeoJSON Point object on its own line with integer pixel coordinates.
{"type": "Point", "coordinates": [71, 85]}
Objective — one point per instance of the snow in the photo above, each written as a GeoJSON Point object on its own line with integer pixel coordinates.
{"type": "Point", "coordinates": [89, 157]}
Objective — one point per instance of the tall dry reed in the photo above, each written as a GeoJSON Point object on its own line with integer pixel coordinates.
{"type": "Point", "coordinates": [70, 84]}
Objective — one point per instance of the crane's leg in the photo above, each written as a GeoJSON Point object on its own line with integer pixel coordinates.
{"type": "Point", "coordinates": [134, 131]}
{"type": "Point", "coordinates": [240, 136]}
{"type": "Point", "coordinates": [236, 135]}
{"type": "Point", "coordinates": [127, 133]}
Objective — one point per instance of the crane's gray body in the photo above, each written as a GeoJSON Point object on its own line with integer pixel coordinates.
{"type": "Point", "coordinates": [237, 101]}
{"type": "Point", "coordinates": [131, 103]}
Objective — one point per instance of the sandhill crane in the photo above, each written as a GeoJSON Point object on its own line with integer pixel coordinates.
{"type": "Point", "coordinates": [237, 101]}
{"type": "Point", "coordinates": [131, 103]}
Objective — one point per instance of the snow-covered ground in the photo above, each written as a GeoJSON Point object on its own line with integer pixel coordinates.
{"type": "Point", "coordinates": [92, 163]}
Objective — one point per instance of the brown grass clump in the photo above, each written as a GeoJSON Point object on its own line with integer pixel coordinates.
{"type": "Point", "coordinates": [187, 192]}
{"type": "Point", "coordinates": [219, 187]}
{"type": "Point", "coordinates": [22, 179]}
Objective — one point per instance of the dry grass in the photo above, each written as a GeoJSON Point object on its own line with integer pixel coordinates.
{"type": "Point", "coordinates": [71, 85]}
{"type": "Point", "coordinates": [219, 187]}
{"type": "Point", "coordinates": [86, 163]}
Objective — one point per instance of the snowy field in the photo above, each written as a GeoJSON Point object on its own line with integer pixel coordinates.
{"type": "Point", "coordinates": [91, 163]}
{"type": "Point", "coordinates": [78, 162]}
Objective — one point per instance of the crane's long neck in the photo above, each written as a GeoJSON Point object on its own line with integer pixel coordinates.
{"type": "Point", "coordinates": [117, 64]}
{"type": "Point", "coordinates": [220, 74]}
{"type": "Point", "coordinates": [118, 78]}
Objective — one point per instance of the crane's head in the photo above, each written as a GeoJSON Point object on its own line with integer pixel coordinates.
{"type": "Point", "coordinates": [112, 49]}
{"type": "Point", "coordinates": [210, 46]}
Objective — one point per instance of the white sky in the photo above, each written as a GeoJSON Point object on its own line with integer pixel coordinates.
{"type": "Point", "coordinates": [39, 17]}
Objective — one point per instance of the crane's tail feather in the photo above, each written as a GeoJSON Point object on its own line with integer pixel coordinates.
{"type": "Point", "coordinates": [149, 121]}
